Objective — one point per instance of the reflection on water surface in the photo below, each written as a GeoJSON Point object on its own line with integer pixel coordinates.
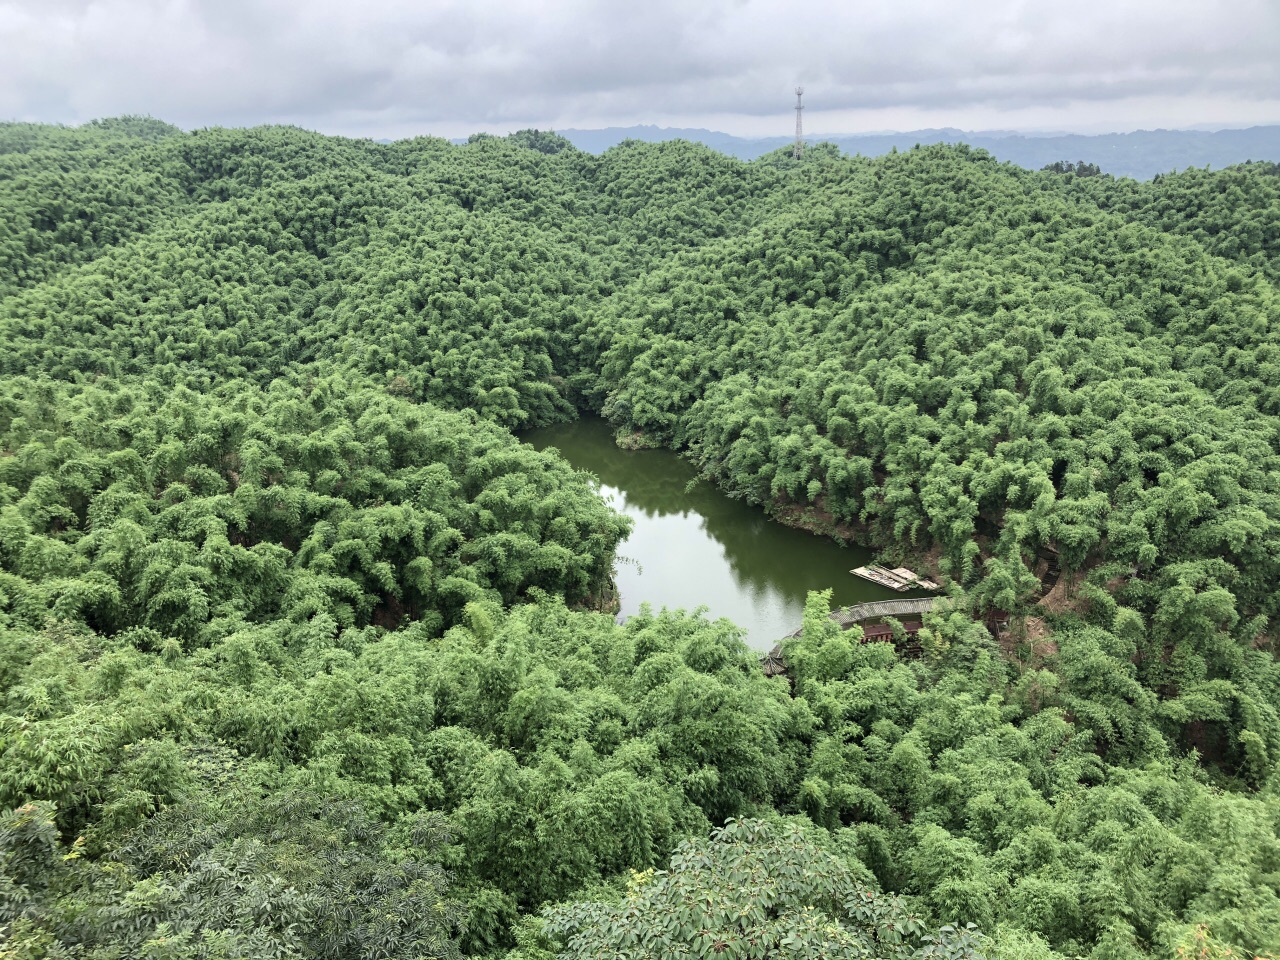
{"type": "Point", "coordinates": [693, 546]}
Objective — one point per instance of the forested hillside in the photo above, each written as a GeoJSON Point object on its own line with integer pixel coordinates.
{"type": "Point", "coordinates": [299, 654]}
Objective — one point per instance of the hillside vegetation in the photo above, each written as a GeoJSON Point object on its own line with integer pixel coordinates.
{"type": "Point", "coordinates": [297, 656]}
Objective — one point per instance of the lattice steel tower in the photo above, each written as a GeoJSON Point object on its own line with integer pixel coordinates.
{"type": "Point", "coordinates": [799, 151]}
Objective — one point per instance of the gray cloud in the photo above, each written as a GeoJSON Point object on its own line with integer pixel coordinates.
{"type": "Point", "coordinates": [392, 67]}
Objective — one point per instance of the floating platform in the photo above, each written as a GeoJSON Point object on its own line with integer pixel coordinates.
{"type": "Point", "coordinates": [915, 579]}
{"type": "Point", "coordinates": [900, 578]}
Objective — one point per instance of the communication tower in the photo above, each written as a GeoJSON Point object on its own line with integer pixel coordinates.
{"type": "Point", "coordinates": [799, 151]}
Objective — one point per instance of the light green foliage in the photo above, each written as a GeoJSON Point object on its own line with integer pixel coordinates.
{"type": "Point", "coordinates": [562, 746]}
{"type": "Point", "coordinates": [755, 890]}
{"type": "Point", "coordinates": [313, 509]}
{"type": "Point", "coordinates": [948, 784]}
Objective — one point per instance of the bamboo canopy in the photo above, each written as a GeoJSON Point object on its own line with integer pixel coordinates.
{"type": "Point", "coordinates": [774, 663]}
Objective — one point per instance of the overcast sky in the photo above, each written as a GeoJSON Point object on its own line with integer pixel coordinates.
{"type": "Point", "coordinates": [392, 68]}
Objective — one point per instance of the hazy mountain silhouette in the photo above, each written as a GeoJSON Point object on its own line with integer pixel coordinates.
{"type": "Point", "coordinates": [1141, 154]}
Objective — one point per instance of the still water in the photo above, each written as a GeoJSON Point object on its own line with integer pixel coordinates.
{"type": "Point", "coordinates": [693, 546]}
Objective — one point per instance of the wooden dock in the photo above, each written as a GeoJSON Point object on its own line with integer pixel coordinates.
{"type": "Point", "coordinates": [775, 664]}
{"type": "Point", "coordinates": [899, 578]}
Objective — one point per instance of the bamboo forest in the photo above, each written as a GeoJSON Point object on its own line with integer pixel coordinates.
{"type": "Point", "coordinates": [306, 653]}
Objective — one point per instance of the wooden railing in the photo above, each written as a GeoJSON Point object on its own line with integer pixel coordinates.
{"type": "Point", "coordinates": [774, 663]}
{"type": "Point", "coordinates": [848, 616]}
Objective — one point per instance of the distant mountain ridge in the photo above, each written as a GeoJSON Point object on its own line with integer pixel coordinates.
{"type": "Point", "coordinates": [1141, 154]}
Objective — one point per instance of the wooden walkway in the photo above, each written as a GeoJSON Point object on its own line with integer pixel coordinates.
{"type": "Point", "coordinates": [848, 616]}
{"type": "Point", "coordinates": [774, 663]}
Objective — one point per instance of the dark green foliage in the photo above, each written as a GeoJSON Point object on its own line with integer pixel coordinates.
{"type": "Point", "coordinates": [544, 141]}
{"type": "Point", "coordinates": [234, 875]}
{"type": "Point", "coordinates": [1232, 213]}
{"type": "Point", "coordinates": [1079, 168]}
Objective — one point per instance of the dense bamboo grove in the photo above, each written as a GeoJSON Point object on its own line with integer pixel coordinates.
{"type": "Point", "coordinates": [297, 650]}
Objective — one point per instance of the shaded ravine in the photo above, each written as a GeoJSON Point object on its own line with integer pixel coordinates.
{"type": "Point", "coordinates": [693, 546]}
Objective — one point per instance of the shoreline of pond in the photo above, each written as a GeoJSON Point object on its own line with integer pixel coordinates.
{"type": "Point", "coordinates": [693, 545]}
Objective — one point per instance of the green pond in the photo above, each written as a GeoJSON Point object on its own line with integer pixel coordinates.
{"type": "Point", "coordinates": [693, 546]}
